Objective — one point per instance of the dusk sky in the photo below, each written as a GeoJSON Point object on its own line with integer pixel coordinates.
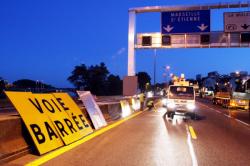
{"type": "Point", "coordinates": [44, 40]}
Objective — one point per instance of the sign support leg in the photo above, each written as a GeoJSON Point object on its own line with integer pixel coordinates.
{"type": "Point", "coordinates": [131, 43]}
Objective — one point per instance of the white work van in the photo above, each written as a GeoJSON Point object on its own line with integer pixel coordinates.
{"type": "Point", "coordinates": [180, 100]}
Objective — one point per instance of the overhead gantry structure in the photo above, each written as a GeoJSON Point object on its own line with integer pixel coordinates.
{"type": "Point", "coordinates": [218, 39]}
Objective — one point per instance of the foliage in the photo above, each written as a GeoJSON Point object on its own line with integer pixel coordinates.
{"type": "Point", "coordinates": [97, 82]}
{"type": "Point", "coordinates": [239, 85]}
{"type": "Point", "coordinates": [79, 77]}
{"type": "Point", "coordinates": [30, 84]}
{"type": "Point", "coordinates": [114, 85]}
{"type": "Point", "coordinates": [95, 79]}
{"type": "Point", "coordinates": [2, 86]}
{"type": "Point", "coordinates": [143, 79]}
{"type": "Point", "coordinates": [24, 83]}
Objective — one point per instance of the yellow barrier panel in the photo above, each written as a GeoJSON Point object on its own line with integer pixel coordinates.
{"type": "Point", "coordinates": [56, 111]}
{"type": "Point", "coordinates": [65, 149]}
{"type": "Point", "coordinates": [52, 120]}
{"type": "Point", "coordinates": [40, 127]}
{"type": "Point", "coordinates": [74, 112]}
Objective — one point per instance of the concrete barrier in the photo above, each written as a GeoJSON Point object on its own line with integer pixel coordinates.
{"type": "Point", "coordinates": [111, 111]}
{"type": "Point", "coordinates": [115, 111]}
{"type": "Point", "coordinates": [13, 137]}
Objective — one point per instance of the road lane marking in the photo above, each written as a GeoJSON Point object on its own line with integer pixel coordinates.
{"type": "Point", "coordinates": [191, 149]}
{"type": "Point", "coordinates": [228, 116]}
{"type": "Point", "coordinates": [218, 112]}
{"type": "Point", "coordinates": [155, 109]}
{"type": "Point", "coordinates": [192, 132]}
{"type": "Point", "coordinates": [208, 107]}
{"type": "Point", "coordinates": [242, 122]}
{"type": "Point", "coordinates": [64, 149]}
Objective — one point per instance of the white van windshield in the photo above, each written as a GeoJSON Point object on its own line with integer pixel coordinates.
{"type": "Point", "coordinates": [181, 92]}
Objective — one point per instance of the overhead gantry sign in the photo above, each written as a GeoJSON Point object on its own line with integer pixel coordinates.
{"type": "Point", "coordinates": [189, 27]}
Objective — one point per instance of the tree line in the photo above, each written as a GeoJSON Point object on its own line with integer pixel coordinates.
{"type": "Point", "coordinates": [99, 81]}
{"type": "Point", "coordinates": [94, 78]}
{"type": "Point", "coordinates": [23, 85]}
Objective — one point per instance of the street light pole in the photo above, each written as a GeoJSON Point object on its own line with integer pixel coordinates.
{"type": "Point", "coordinates": [167, 71]}
{"type": "Point", "coordinates": [154, 69]}
{"type": "Point", "coordinates": [167, 74]}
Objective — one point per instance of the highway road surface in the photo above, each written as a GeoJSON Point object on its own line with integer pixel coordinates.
{"type": "Point", "coordinates": [149, 139]}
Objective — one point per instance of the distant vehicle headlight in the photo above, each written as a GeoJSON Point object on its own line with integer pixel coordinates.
{"type": "Point", "coordinates": [164, 101]}
{"type": "Point", "coordinates": [150, 94]}
{"type": "Point", "coordinates": [242, 102]}
{"type": "Point", "coordinates": [191, 106]}
{"type": "Point", "coordinates": [171, 105]}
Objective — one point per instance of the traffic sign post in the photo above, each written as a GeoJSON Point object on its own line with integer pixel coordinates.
{"type": "Point", "coordinates": [185, 21]}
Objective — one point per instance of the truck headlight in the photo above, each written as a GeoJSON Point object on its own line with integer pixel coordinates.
{"type": "Point", "coordinates": [164, 101]}
{"type": "Point", "coordinates": [190, 106]}
{"type": "Point", "coordinates": [150, 94]}
{"type": "Point", "coordinates": [243, 102]}
{"type": "Point", "coordinates": [171, 105]}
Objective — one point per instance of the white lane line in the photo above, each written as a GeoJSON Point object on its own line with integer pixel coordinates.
{"type": "Point", "coordinates": [191, 148]}
{"type": "Point", "coordinates": [203, 104]}
{"type": "Point", "coordinates": [228, 116]}
{"type": "Point", "coordinates": [242, 122]}
{"type": "Point", "coordinates": [218, 112]}
{"type": "Point", "coordinates": [210, 108]}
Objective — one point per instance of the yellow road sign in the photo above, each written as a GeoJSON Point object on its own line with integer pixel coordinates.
{"type": "Point", "coordinates": [63, 123]}
{"type": "Point", "coordinates": [70, 107]}
{"type": "Point", "coordinates": [52, 120]}
{"type": "Point", "coordinates": [40, 127]}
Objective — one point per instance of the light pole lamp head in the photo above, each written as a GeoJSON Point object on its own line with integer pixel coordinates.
{"type": "Point", "coordinates": [167, 67]}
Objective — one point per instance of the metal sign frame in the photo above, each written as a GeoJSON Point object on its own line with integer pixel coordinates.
{"type": "Point", "coordinates": [132, 23]}
{"type": "Point", "coordinates": [218, 39]}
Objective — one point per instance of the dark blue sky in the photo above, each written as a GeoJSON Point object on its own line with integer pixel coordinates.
{"type": "Point", "coordinates": [44, 40]}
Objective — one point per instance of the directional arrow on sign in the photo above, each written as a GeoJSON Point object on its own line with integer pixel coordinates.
{"type": "Point", "coordinates": [202, 27]}
{"type": "Point", "coordinates": [245, 26]}
{"type": "Point", "coordinates": [168, 28]}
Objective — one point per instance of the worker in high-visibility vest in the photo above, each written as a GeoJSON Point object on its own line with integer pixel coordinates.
{"type": "Point", "coordinates": [142, 99]}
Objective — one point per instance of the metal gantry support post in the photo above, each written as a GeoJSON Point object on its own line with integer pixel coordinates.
{"type": "Point", "coordinates": [155, 71]}
{"type": "Point", "coordinates": [131, 43]}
